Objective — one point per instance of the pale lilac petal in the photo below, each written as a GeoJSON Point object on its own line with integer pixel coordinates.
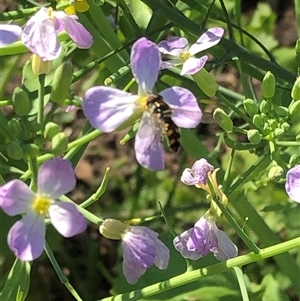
{"type": "Point", "coordinates": [192, 65]}
{"type": "Point", "coordinates": [148, 145]}
{"type": "Point", "coordinates": [82, 38]}
{"type": "Point", "coordinates": [162, 255]}
{"type": "Point", "coordinates": [185, 109]}
{"type": "Point", "coordinates": [56, 177]}
{"type": "Point", "coordinates": [209, 39]}
{"type": "Point", "coordinates": [16, 197]}
{"type": "Point", "coordinates": [9, 33]}
{"type": "Point", "coordinates": [145, 62]}
{"type": "Point", "coordinates": [170, 63]}
{"type": "Point", "coordinates": [188, 177]}
{"type": "Point", "coordinates": [180, 244]}
{"type": "Point", "coordinates": [132, 273]}
{"type": "Point", "coordinates": [226, 248]}
{"type": "Point", "coordinates": [174, 46]}
{"type": "Point", "coordinates": [107, 108]}
{"type": "Point", "coordinates": [26, 238]}
{"type": "Point", "coordinates": [66, 219]}
{"type": "Point", "coordinates": [292, 185]}
{"type": "Point", "coordinates": [39, 36]}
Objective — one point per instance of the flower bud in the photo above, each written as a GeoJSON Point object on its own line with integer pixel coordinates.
{"type": "Point", "coordinates": [268, 85]}
{"type": "Point", "coordinates": [278, 133]}
{"type": "Point", "coordinates": [294, 160]}
{"type": "Point", "coordinates": [265, 106]}
{"type": "Point", "coordinates": [276, 173]}
{"type": "Point", "coordinates": [39, 66]}
{"type": "Point", "coordinates": [258, 121]}
{"type": "Point", "coordinates": [59, 143]}
{"type": "Point", "coordinates": [281, 111]}
{"type": "Point", "coordinates": [15, 127]}
{"type": "Point", "coordinates": [113, 229]}
{"type": "Point", "coordinates": [14, 150]}
{"type": "Point", "coordinates": [51, 129]}
{"type": "Point", "coordinates": [294, 110]}
{"type": "Point", "coordinates": [285, 126]}
{"type": "Point", "coordinates": [61, 83]}
{"type": "Point", "coordinates": [31, 150]}
{"type": "Point", "coordinates": [223, 120]}
{"type": "Point", "coordinates": [296, 90]}
{"type": "Point", "coordinates": [273, 124]}
{"type": "Point", "coordinates": [21, 102]}
{"type": "Point", "coordinates": [254, 136]}
{"type": "Point", "coordinates": [250, 106]}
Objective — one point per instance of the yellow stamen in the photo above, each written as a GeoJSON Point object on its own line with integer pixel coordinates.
{"type": "Point", "coordinates": [184, 56]}
{"type": "Point", "coordinates": [142, 102]}
{"type": "Point", "coordinates": [41, 204]}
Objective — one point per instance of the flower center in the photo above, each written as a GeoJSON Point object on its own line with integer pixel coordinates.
{"type": "Point", "coordinates": [50, 13]}
{"type": "Point", "coordinates": [41, 204]}
{"type": "Point", "coordinates": [185, 55]}
{"type": "Point", "coordinates": [142, 102]}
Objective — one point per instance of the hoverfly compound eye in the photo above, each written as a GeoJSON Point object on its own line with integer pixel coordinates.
{"type": "Point", "coordinates": [163, 113]}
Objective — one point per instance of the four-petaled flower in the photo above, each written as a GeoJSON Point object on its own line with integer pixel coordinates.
{"type": "Point", "coordinates": [292, 185]}
{"type": "Point", "coordinates": [26, 238]}
{"type": "Point", "coordinates": [204, 238]}
{"type": "Point", "coordinates": [9, 33]}
{"type": "Point", "coordinates": [141, 248]}
{"type": "Point", "coordinates": [40, 33]}
{"type": "Point", "coordinates": [197, 174]}
{"type": "Point", "coordinates": [107, 108]}
{"type": "Point", "coordinates": [181, 54]}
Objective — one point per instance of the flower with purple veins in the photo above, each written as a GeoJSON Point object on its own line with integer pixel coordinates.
{"type": "Point", "coordinates": [197, 174]}
{"type": "Point", "coordinates": [9, 33]}
{"type": "Point", "coordinates": [204, 238]}
{"type": "Point", "coordinates": [182, 54]}
{"type": "Point", "coordinates": [141, 248]}
{"type": "Point", "coordinates": [26, 238]}
{"type": "Point", "coordinates": [107, 108]}
{"type": "Point", "coordinates": [292, 185]}
{"type": "Point", "coordinates": [40, 33]}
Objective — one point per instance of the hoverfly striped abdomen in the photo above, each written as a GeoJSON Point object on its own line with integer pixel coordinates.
{"type": "Point", "coordinates": [161, 110]}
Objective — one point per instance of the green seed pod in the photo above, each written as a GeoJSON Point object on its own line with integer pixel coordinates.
{"type": "Point", "coordinates": [281, 111]}
{"type": "Point", "coordinates": [296, 90]}
{"type": "Point", "coordinates": [61, 83]}
{"type": "Point", "coordinates": [276, 173]}
{"type": "Point", "coordinates": [21, 102]}
{"type": "Point", "coordinates": [268, 85]}
{"type": "Point", "coordinates": [265, 106]}
{"type": "Point", "coordinates": [258, 121]}
{"type": "Point", "coordinates": [294, 110]}
{"type": "Point", "coordinates": [15, 127]}
{"type": "Point", "coordinates": [254, 136]}
{"type": "Point", "coordinates": [223, 120]}
{"type": "Point", "coordinates": [251, 107]}
{"type": "Point", "coordinates": [31, 150]}
{"type": "Point", "coordinates": [59, 143]}
{"type": "Point", "coordinates": [51, 129]}
{"type": "Point", "coordinates": [14, 150]}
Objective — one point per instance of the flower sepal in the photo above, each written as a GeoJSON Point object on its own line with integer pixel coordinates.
{"type": "Point", "coordinates": [206, 82]}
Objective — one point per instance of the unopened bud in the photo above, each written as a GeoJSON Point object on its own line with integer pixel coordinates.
{"type": "Point", "coordinates": [61, 83]}
{"type": "Point", "coordinates": [15, 127]}
{"type": "Point", "coordinates": [268, 85]}
{"type": "Point", "coordinates": [113, 229]}
{"type": "Point", "coordinates": [14, 150]}
{"type": "Point", "coordinates": [21, 102]}
{"type": "Point", "coordinates": [273, 124]}
{"type": "Point", "coordinates": [296, 90]}
{"type": "Point", "coordinates": [39, 66]}
{"type": "Point", "coordinates": [223, 120]}
{"type": "Point", "coordinates": [31, 150]}
{"type": "Point", "coordinates": [51, 129]}
{"type": "Point", "coordinates": [59, 143]}
{"type": "Point", "coordinates": [254, 136]}
{"type": "Point", "coordinates": [285, 126]}
{"type": "Point", "coordinates": [281, 111]}
{"type": "Point", "coordinates": [294, 160]}
{"type": "Point", "coordinates": [294, 110]}
{"type": "Point", "coordinates": [265, 106]}
{"type": "Point", "coordinates": [276, 173]}
{"type": "Point", "coordinates": [278, 133]}
{"type": "Point", "coordinates": [250, 106]}
{"type": "Point", "coordinates": [258, 121]}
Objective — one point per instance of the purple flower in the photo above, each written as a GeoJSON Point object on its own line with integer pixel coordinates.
{"type": "Point", "coordinates": [292, 185]}
{"type": "Point", "coordinates": [197, 174]}
{"type": "Point", "coordinates": [204, 238]}
{"type": "Point", "coordinates": [26, 237]}
{"type": "Point", "coordinates": [40, 33]}
{"type": "Point", "coordinates": [9, 33]}
{"type": "Point", "coordinates": [181, 54]}
{"type": "Point", "coordinates": [107, 108]}
{"type": "Point", "coordinates": [141, 248]}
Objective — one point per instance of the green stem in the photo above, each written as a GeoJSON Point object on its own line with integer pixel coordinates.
{"type": "Point", "coordinates": [18, 14]}
{"type": "Point", "coordinates": [62, 277]}
{"type": "Point", "coordinates": [33, 168]}
{"type": "Point", "coordinates": [287, 143]}
{"type": "Point", "coordinates": [41, 104]}
{"type": "Point", "coordinates": [196, 275]}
